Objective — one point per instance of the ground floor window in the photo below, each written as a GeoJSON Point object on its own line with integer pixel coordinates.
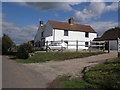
{"type": "Point", "coordinates": [86, 44]}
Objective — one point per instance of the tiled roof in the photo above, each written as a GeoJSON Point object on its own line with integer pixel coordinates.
{"type": "Point", "coordinates": [110, 35]}
{"type": "Point", "coordinates": [74, 27]}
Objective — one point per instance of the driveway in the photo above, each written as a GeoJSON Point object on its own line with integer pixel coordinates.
{"type": "Point", "coordinates": [39, 75]}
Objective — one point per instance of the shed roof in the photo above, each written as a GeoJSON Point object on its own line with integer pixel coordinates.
{"type": "Point", "coordinates": [111, 34]}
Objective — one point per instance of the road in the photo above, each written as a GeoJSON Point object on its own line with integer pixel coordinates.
{"type": "Point", "coordinates": [16, 75]}
{"type": "Point", "coordinates": [39, 75]}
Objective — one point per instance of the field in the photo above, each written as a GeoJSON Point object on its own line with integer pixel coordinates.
{"type": "Point", "coordinates": [56, 56]}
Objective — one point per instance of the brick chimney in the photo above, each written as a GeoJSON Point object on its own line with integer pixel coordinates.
{"type": "Point", "coordinates": [41, 23]}
{"type": "Point", "coordinates": [71, 21]}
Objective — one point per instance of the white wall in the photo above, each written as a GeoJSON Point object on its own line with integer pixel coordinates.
{"type": "Point", "coordinates": [73, 36]}
{"type": "Point", "coordinates": [113, 44]}
{"type": "Point", "coordinates": [47, 34]}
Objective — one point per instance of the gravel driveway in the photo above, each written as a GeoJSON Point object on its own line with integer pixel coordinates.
{"type": "Point", "coordinates": [39, 75]}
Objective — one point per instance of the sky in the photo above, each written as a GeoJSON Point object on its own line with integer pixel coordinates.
{"type": "Point", "coordinates": [20, 20]}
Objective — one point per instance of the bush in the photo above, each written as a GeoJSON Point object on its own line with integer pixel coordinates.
{"type": "Point", "coordinates": [24, 50]}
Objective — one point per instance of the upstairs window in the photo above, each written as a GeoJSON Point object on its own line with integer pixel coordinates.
{"type": "Point", "coordinates": [65, 32]}
{"type": "Point", "coordinates": [86, 34]}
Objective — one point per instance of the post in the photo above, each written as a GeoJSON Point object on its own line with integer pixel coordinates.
{"type": "Point", "coordinates": [76, 45]}
{"type": "Point", "coordinates": [46, 46]}
{"type": "Point", "coordinates": [104, 47]}
{"type": "Point", "coordinates": [99, 46]}
{"type": "Point", "coordinates": [118, 48]}
{"type": "Point", "coordinates": [61, 45]}
{"type": "Point", "coordinates": [90, 46]}
{"type": "Point", "coordinates": [108, 46]}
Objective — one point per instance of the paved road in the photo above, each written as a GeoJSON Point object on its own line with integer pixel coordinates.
{"type": "Point", "coordinates": [16, 75]}
{"type": "Point", "coordinates": [39, 75]}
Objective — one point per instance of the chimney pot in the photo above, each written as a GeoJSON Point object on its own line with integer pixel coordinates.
{"type": "Point", "coordinates": [41, 23]}
{"type": "Point", "coordinates": [71, 21]}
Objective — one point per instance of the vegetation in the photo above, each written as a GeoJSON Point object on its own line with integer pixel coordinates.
{"type": "Point", "coordinates": [102, 76]}
{"type": "Point", "coordinates": [105, 75]}
{"type": "Point", "coordinates": [24, 50]}
{"type": "Point", "coordinates": [7, 43]}
{"type": "Point", "coordinates": [56, 56]}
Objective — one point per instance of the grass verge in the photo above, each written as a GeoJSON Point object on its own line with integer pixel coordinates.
{"type": "Point", "coordinates": [56, 56]}
{"type": "Point", "coordinates": [102, 76]}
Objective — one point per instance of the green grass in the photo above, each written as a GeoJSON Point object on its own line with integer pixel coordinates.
{"type": "Point", "coordinates": [105, 75]}
{"type": "Point", "coordinates": [56, 56]}
{"type": "Point", "coordinates": [102, 76]}
{"type": "Point", "coordinates": [78, 84]}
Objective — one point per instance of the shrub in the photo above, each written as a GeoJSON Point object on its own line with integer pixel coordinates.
{"type": "Point", "coordinates": [24, 50]}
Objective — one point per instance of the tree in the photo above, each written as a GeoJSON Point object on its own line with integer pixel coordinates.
{"type": "Point", "coordinates": [6, 44]}
{"type": "Point", "coordinates": [24, 50]}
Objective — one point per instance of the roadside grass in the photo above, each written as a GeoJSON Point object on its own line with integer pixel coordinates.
{"type": "Point", "coordinates": [101, 76]}
{"type": "Point", "coordinates": [56, 56]}
{"type": "Point", "coordinates": [105, 75]}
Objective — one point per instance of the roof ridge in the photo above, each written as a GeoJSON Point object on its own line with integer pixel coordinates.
{"type": "Point", "coordinates": [67, 26]}
{"type": "Point", "coordinates": [67, 22]}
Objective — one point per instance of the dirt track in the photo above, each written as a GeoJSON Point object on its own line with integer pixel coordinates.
{"type": "Point", "coordinates": [38, 75]}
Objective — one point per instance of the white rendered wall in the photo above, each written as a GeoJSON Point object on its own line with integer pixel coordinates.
{"type": "Point", "coordinates": [73, 36]}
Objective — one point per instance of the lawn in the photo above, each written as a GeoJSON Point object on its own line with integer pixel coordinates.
{"type": "Point", "coordinates": [56, 56]}
{"type": "Point", "coordinates": [102, 76]}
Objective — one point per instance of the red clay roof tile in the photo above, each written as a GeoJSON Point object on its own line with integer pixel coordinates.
{"type": "Point", "coordinates": [74, 27]}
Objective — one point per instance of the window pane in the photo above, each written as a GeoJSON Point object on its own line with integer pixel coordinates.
{"type": "Point", "coordinates": [65, 33]}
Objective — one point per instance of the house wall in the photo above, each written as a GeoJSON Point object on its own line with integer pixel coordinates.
{"type": "Point", "coordinates": [113, 44]}
{"type": "Point", "coordinates": [47, 35]}
{"type": "Point", "coordinates": [73, 36]}
{"type": "Point", "coordinates": [37, 38]}
{"type": "Point", "coordinates": [48, 30]}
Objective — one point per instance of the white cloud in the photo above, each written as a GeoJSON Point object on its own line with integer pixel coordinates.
{"type": "Point", "coordinates": [60, 0]}
{"type": "Point", "coordinates": [101, 27]}
{"type": "Point", "coordinates": [44, 6]}
{"type": "Point", "coordinates": [19, 34]}
{"type": "Point", "coordinates": [94, 10]}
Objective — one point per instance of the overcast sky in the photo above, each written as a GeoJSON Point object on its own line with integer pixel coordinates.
{"type": "Point", "coordinates": [20, 20]}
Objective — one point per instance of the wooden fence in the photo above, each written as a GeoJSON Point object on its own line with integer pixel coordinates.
{"type": "Point", "coordinates": [81, 45]}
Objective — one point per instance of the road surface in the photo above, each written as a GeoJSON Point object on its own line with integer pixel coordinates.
{"type": "Point", "coordinates": [39, 75]}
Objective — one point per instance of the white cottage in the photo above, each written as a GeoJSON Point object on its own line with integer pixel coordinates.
{"type": "Point", "coordinates": [66, 31]}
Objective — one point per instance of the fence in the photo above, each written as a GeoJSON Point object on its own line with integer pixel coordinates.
{"type": "Point", "coordinates": [81, 45]}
